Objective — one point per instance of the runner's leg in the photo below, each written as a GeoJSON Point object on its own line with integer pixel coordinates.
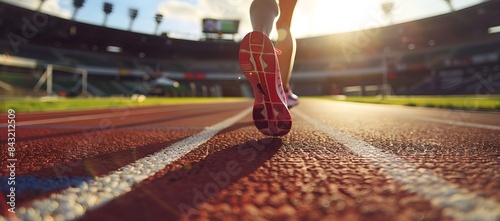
{"type": "Point", "coordinates": [286, 42]}
{"type": "Point", "coordinates": [262, 14]}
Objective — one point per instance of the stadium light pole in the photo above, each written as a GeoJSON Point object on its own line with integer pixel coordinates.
{"type": "Point", "coordinates": [133, 15]}
{"type": "Point", "coordinates": [158, 19]}
{"type": "Point", "coordinates": [77, 4]}
{"type": "Point", "coordinates": [41, 4]}
{"type": "Point", "coordinates": [107, 8]}
{"type": "Point", "coordinates": [387, 8]}
{"type": "Point", "coordinates": [450, 4]}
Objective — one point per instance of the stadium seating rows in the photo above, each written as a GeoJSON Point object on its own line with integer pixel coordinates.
{"type": "Point", "coordinates": [415, 55]}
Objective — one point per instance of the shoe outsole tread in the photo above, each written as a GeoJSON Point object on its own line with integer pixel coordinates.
{"type": "Point", "coordinates": [258, 61]}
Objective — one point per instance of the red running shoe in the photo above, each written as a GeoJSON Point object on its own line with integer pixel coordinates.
{"type": "Point", "coordinates": [258, 60]}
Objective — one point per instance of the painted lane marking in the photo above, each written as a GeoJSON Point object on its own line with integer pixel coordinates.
{"type": "Point", "coordinates": [458, 203]}
{"type": "Point", "coordinates": [455, 123]}
{"type": "Point", "coordinates": [73, 202]}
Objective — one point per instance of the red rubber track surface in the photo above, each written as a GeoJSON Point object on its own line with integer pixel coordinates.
{"type": "Point", "coordinates": [305, 175]}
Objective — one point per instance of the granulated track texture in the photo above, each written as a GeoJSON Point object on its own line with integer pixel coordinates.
{"type": "Point", "coordinates": [340, 161]}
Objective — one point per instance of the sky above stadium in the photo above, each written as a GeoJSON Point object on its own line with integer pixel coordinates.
{"type": "Point", "coordinates": [182, 18]}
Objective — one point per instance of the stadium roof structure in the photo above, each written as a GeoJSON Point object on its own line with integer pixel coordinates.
{"type": "Point", "coordinates": [463, 26]}
{"type": "Point", "coordinates": [20, 26]}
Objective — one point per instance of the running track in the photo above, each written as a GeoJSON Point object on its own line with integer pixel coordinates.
{"type": "Point", "coordinates": [341, 161]}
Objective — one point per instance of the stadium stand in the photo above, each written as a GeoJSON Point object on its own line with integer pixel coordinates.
{"type": "Point", "coordinates": [451, 53]}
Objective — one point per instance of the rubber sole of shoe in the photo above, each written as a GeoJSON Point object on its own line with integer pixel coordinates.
{"type": "Point", "coordinates": [257, 58]}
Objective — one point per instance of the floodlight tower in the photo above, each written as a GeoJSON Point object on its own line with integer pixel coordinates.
{"type": "Point", "coordinates": [133, 15]}
{"type": "Point", "coordinates": [41, 4]}
{"type": "Point", "coordinates": [158, 19]}
{"type": "Point", "coordinates": [387, 8]}
{"type": "Point", "coordinates": [107, 8]}
{"type": "Point", "coordinates": [77, 4]}
{"type": "Point", "coordinates": [450, 4]}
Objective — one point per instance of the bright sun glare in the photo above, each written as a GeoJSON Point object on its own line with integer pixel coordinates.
{"type": "Point", "coordinates": [315, 16]}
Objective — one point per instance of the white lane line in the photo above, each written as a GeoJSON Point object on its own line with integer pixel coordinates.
{"type": "Point", "coordinates": [73, 202]}
{"type": "Point", "coordinates": [458, 203]}
{"type": "Point", "coordinates": [455, 123]}
{"type": "Point", "coordinates": [119, 113]}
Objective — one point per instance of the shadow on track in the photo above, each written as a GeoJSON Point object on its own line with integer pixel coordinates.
{"type": "Point", "coordinates": [181, 188]}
